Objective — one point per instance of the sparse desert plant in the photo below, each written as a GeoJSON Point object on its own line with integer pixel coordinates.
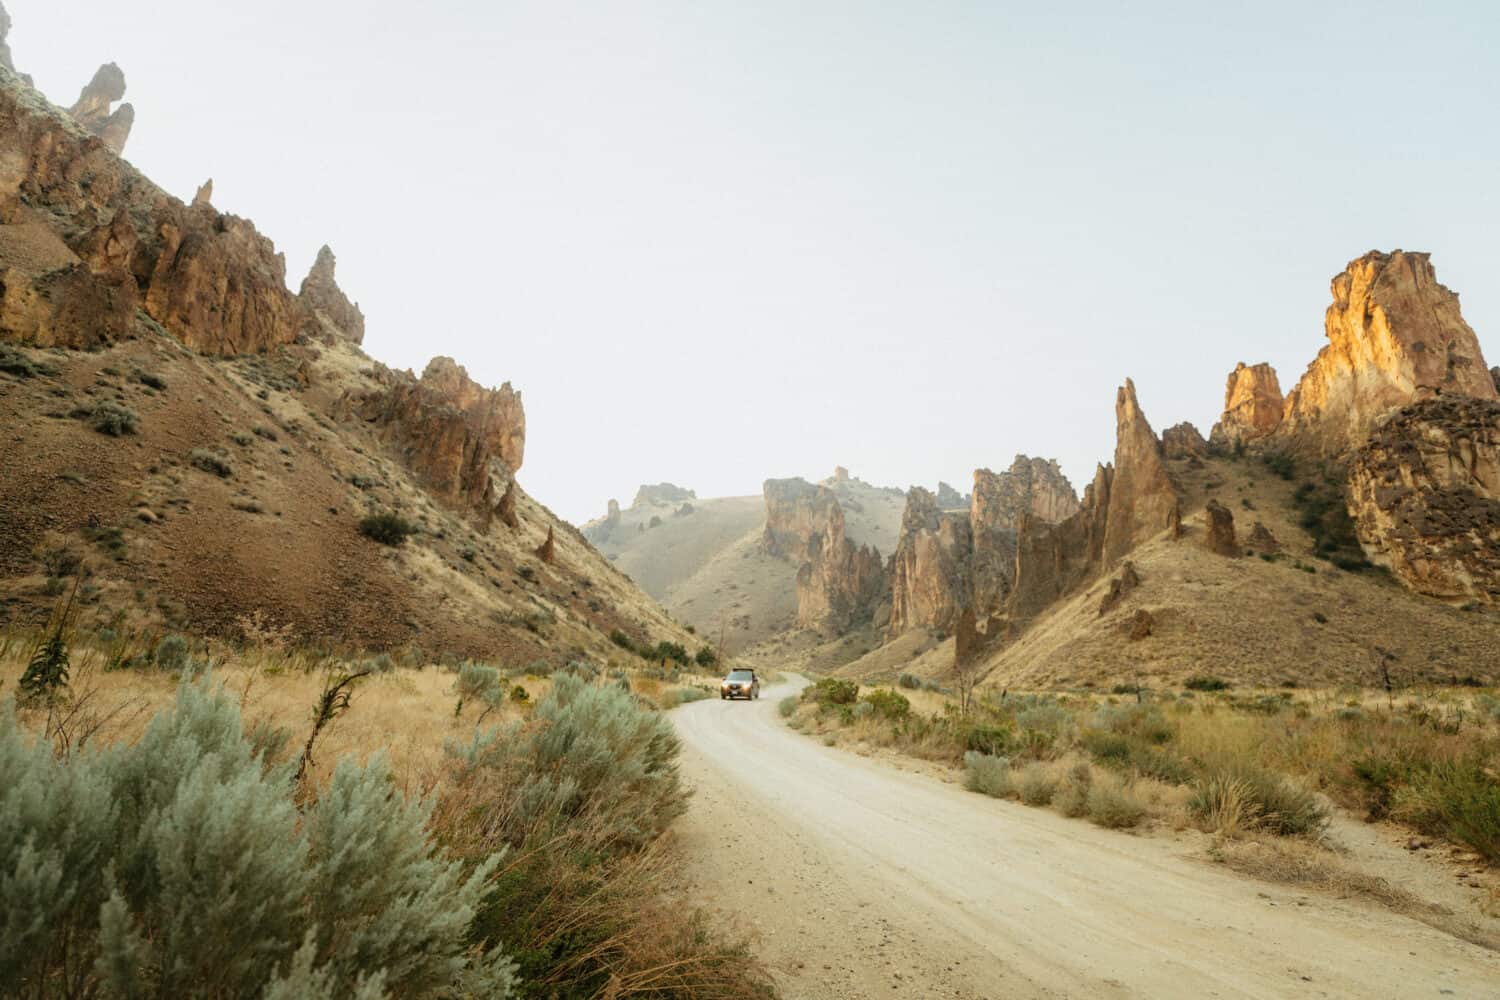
{"type": "Point", "coordinates": [1203, 682]}
{"type": "Point", "coordinates": [1037, 786]}
{"type": "Point", "coordinates": [909, 681]}
{"type": "Point", "coordinates": [387, 528]}
{"type": "Point", "coordinates": [582, 669]}
{"type": "Point", "coordinates": [14, 362]}
{"type": "Point", "coordinates": [787, 706]}
{"type": "Point", "coordinates": [151, 379]}
{"type": "Point", "coordinates": [1457, 799]}
{"type": "Point", "coordinates": [1112, 805]}
{"type": "Point", "coordinates": [479, 682]}
{"type": "Point", "coordinates": [1072, 796]}
{"type": "Point", "coordinates": [888, 704]}
{"type": "Point", "coordinates": [1248, 795]}
{"type": "Point", "coordinates": [681, 696]}
{"type": "Point", "coordinates": [172, 653]}
{"type": "Point", "coordinates": [988, 775]}
{"type": "Point", "coordinates": [180, 866]}
{"type": "Point", "coordinates": [210, 462]}
{"type": "Point", "coordinates": [518, 694]}
{"type": "Point", "coordinates": [113, 419]}
{"type": "Point", "coordinates": [831, 691]}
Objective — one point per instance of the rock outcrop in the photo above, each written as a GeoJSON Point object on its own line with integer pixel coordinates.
{"type": "Point", "coordinates": [321, 294]}
{"type": "Point", "coordinates": [931, 568]}
{"type": "Point", "coordinates": [1425, 497]}
{"type": "Point", "coordinates": [1395, 336]}
{"type": "Point", "coordinates": [950, 499]}
{"type": "Point", "coordinates": [1253, 407]}
{"type": "Point", "coordinates": [92, 110]}
{"type": "Point", "coordinates": [5, 58]}
{"type": "Point", "coordinates": [210, 280]}
{"type": "Point", "coordinates": [204, 196]}
{"type": "Point", "coordinates": [795, 511]}
{"type": "Point", "coordinates": [1183, 441]}
{"type": "Point", "coordinates": [1142, 500]}
{"type": "Point", "coordinates": [605, 528]}
{"type": "Point", "coordinates": [661, 494]}
{"type": "Point", "coordinates": [1034, 487]}
{"type": "Point", "coordinates": [547, 551]}
{"type": "Point", "coordinates": [1128, 503]}
{"type": "Point", "coordinates": [1219, 535]}
{"type": "Point", "coordinates": [840, 584]}
{"type": "Point", "coordinates": [466, 442]}
{"type": "Point", "coordinates": [1121, 586]}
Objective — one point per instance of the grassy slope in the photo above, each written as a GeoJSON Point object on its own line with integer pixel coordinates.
{"type": "Point", "coordinates": [279, 537]}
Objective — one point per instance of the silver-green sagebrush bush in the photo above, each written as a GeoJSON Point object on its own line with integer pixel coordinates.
{"type": "Point", "coordinates": [181, 866]}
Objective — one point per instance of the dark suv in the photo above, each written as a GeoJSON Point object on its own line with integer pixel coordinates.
{"type": "Point", "coordinates": [740, 684]}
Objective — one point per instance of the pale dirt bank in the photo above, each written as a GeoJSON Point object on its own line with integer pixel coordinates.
{"type": "Point", "coordinates": [864, 880]}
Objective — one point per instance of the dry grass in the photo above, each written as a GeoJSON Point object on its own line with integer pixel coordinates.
{"type": "Point", "coordinates": [1304, 865]}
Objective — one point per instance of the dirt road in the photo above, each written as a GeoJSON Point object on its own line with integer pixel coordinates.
{"type": "Point", "coordinates": [864, 880]}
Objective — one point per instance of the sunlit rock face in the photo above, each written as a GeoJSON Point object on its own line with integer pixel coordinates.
{"type": "Point", "coordinates": [1252, 407]}
{"type": "Point", "coordinates": [1142, 500]}
{"type": "Point", "coordinates": [466, 442]}
{"type": "Point", "coordinates": [322, 295]}
{"type": "Point", "coordinates": [92, 109]}
{"type": "Point", "coordinates": [1425, 497]}
{"type": "Point", "coordinates": [1183, 441]}
{"type": "Point", "coordinates": [1395, 336]}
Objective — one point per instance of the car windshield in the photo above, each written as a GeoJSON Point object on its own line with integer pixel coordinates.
{"type": "Point", "coordinates": [741, 675]}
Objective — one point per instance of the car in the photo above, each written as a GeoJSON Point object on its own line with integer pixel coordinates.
{"type": "Point", "coordinates": [740, 684]}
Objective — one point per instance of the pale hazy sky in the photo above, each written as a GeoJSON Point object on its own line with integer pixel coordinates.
{"type": "Point", "coordinates": [713, 242]}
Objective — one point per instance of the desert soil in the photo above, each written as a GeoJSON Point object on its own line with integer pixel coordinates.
{"type": "Point", "coordinates": [861, 878]}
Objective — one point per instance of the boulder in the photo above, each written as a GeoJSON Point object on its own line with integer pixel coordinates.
{"type": "Point", "coordinates": [1219, 536]}
{"type": "Point", "coordinates": [1261, 540]}
{"type": "Point", "coordinates": [547, 551]}
{"type": "Point", "coordinates": [1121, 586]}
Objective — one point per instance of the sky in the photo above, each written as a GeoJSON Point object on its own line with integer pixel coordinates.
{"type": "Point", "coordinates": [716, 242]}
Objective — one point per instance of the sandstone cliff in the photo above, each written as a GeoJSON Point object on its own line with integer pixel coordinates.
{"type": "Point", "coordinates": [1142, 500]}
{"type": "Point", "coordinates": [1425, 497]}
{"type": "Point", "coordinates": [320, 293]}
{"type": "Point", "coordinates": [1252, 407]}
{"type": "Point", "coordinates": [1395, 336]}
{"type": "Point", "coordinates": [466, 442]}
{"type": "Point", "coordinates": [840, 583]}
{"type": "Point", "coordinates": [796, 510]}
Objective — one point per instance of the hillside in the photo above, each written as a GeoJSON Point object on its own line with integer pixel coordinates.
{"type": "Point", "coordinates": [707, 560]}
{"type": "Point", "coordinates": [196, 447]}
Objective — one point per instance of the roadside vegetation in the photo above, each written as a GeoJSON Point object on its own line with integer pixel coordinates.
{"type": "Point", "coordinates": [182, 817]}
{"type": "Point", "coordinates": [1225, 761]}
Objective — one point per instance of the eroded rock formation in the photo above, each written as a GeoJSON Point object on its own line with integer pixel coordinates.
{"type": "Point", "coordinates": [661, 494]}
{"type": "Point", "coordinates": [795, 511]}
{"type": "Point", "coordinates": [840, 583]}
{"type": "Point", "coordinates": [1252, 407]}
{"type": "Point", "coordinates": [1219, 534]}
{"type": "Point", "coordinates": [1142, 500]}
{"type": "Point", "coordinates": [92, 110]}
{"type": "Point", "coordinates": [210, 280]}
{"type": "Point", "coordinates": [1425, 497]}
{"type": "Point", "coordinates": [465, 441]}
{"type": "Point", "coordinates": [1183, 441]}
{"type": "Point", "coordinates": [547, 551]}
{"type": "Point", "coordinates": [950, 499]}
{"type": "Point", "coordinates": [931, 569]}
{"type": "Point", "coordinates": [321, 294]}
{"type": "Point", "coordinates": [1395, 336]}
{"type": "Point", "coordinates": [204, 196]}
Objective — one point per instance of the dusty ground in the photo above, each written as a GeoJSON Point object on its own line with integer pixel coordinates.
{"type": "Point", "coordinates": [863, 879]}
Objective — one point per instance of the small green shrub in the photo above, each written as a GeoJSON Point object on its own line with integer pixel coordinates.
{"type": "Point", "coordinates": [1269, 801]}
{"type": "Point", "coordinates": [113, 419]}
{"type": "Point", "coordinates": [706, 657]}
{"type": "Point", "coordinates": [14, 362]}
{"type": "Point", "coordinates": [888, 705]}
{"type": "Point", "coordinates": [241, 438]}
{"type": "Point", "coordinates": [831, 691]}
{"type": "Point", "coordinates": [519, 694]}
{"type": "Point", "coordinates": [787, 706]}
{"type": "Point", "coordinates": [1204, 682]}
{"type": "Point", "coordinates": [480, 682]}
{"type": "Point", "coordinates": [986, 739]}
{"type": "Point", "coordinates": [1458, 799]}
{"type": "Point", "coordinates": [151, 379]}
{"type": "Point", "coordinates": [909, 681]}
{"type": "Point", "coordinates": [619, 638]}
{"type": "Point", "coordinates": [1072, 796]}
{"type": "Point", "coordinates": [988, 775]}
{"type": "Point", "coordinates": [172, 654]}
{"type": "Point", "coordinates": [387, 528]}
{"type": "Point", "coordinates": [671, 651]}
{"type": "Point", "coordinates": [210, 462]}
